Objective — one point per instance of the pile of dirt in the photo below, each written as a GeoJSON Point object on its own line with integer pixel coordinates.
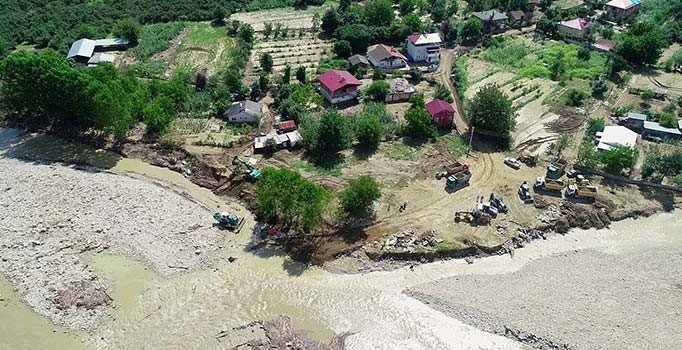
{"type": "Point", "coordinates": [584, 216]}
{"type": "Point", "coordinates": [86, 293]}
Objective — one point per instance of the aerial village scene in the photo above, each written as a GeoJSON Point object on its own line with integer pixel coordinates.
{"type": "Point", "coordinates": [341, 174]}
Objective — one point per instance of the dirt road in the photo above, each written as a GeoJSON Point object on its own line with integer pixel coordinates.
{"type": "Point", "coordinates": [444, 76]}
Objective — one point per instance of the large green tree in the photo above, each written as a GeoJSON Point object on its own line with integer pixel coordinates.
{"type": "Point", "coordinates": [357, 198]}
{"type": "Point", "coordinates": [379, 12]}
{"type": "Point", "coordinates": [377, 90]}
{"type": "Point", "coordinates": [643, 43]}
{"type": "Point", "coordinates": [369, 130]}
{"type": "Point", "coordinates": [128, 28]}
{"type": "Point", "coordinates": [327, 134]}
{"type": "Point", "coordinates": [330, 21]}
{"type": "Point", "coordinates": [358, 35]}
{"type": "Point", "coordinates": [287, 196]}
{"type": "Point", "coordinates": [491, 110]}
{"type": "Point", "coordinates": [419, 124]}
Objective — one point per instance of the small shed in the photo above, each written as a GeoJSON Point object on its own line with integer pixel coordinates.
{"type": "Point", "coordinates": [358, 60]}
{"type": "Point", "coordinates": [653, 129]}
{"type": "Point", "coordinates": [286, 126]}
{"type": "Point", "coordinates": [400, 90]}
{"type": "Point", "coordinates": [635, 121]}
{"type": "Point", "coordinates": [244, 112]}
{"type": "Point", "coordinates": [441, 112]}
{"type": "Point", "coordinates": [604, 45]}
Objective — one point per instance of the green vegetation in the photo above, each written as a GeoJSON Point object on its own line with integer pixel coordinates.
{"type": "Point", "coordinates": [443, 93]}
{"type": "Point", "coordinates": [287, 196]}
{"type": "Point", "coordinates": [587, 156]}
{"type": "Point", "coordinates": [357, 198]}
{"type": "Point", "coordinates": [369, 130]}
{"type": "Point", "coordinates": [419, 125]}
{"type": "Point", "coordinates": [595, 125]}
{"type": "Point", "coordinates": [643, 43]}
{"type": "Point", "coordinates": [666, 14]}
{"type": "Point", "coordinates": [459, 71]}
{"type": "Point", "coordinates": [266, 62]}
{"type": "Point", "coordinates": [326, 134]}
{"type": "Point", "coordinates": [399, 151]}
{"type": "Point", "coordinates": [127, 28]}
{"type": "Point", "coordinates": [458, 146]}
{"type": "Point", "coordinates": [574, 97]}
{"type": "Point", "coordinates": [617, 159]}
{"type": "Point", "coordinates": [491, 110]}
{"type": "Point", "coordinates": [663, 160]}
{"type": "Point", "coordinates": [377, 91]}
{"type": "Point", "coordinates": [156, 38]}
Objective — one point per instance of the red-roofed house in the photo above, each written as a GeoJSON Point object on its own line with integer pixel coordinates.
{"type": "Point", "coordinates": [286, 126]}
{"type": "Point", "coordinates": [338, 86]}
{"type": "Point", "coordinates": [424, 47]}
{"type": "Point", "coordinates": [605, 45]}
{"type": "Point", "coordinates": [577, 28]}
{"type": "Point", "coordinates": [441, 113]}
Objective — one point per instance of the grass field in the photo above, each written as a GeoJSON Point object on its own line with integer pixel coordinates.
{"type": "Point", "coordinates": [204, 46]}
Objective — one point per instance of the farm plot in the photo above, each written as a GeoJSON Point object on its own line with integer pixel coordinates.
{"type": "Point", "coordinates": [203, 47]}
{"type": "Point", "coordinates": [306, 51]}
{"type": "Point", "coordinates": [287, 18]}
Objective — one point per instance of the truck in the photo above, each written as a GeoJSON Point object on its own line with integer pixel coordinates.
{"type": "Point", "coordinates": [556, 168]}
{"type": "Point", "coordinates": [551, 185]}
{"type": "Point", "coordinates": [458, 180]}
{"type": "Point", "coordinates": [580, 191]}
{"type": "Point", "coordinates": [453, 168]}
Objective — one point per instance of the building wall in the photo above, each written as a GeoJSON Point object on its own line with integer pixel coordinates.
{"type": "Point", "coordinates": [398, 96]}
{"type": "Point", "coordinates": [618, 13]}
{"type": "Point", "coordinates": [418, 53]}
{"type": "Point", "coordinates": [387, 64]}
{"type": "Point", "coordinates": [443, 119]}
{"type": "Point", "coordinates": [341, 95]}
{"type": "Point", "coordinates": [571, 32]}
{"type": "Point", "coordinates": [244, 117]}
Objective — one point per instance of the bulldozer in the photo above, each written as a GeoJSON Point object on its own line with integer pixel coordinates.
{"type": "Point", "coordinates": [252, 174]}
{"type": "Point", "coordinates": [226, 221]}
{"type": "Point", "coordinates": [474, 217]}
{"type": "Point", "coordinates": [529, 159]}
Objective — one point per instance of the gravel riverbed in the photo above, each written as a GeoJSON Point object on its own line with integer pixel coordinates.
{"type": "Point", "coordinates": [51, 213]}
{"type": "Point", "coordinates": [578, 300]}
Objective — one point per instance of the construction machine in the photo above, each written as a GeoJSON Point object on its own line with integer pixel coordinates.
{"type": "Point", "coordinates": [556, 168]}
{"type": "Point", "coordinates": [529, 159]}
{"type": "Point", "coordinates": [458, 180]}
{"type": "Point", "coordinates": [524, 193]}
{"type": "Point", "coordinates": [475, 217]}
{"type": "Point", "coordinates": [252, 173]}
{"type": "Point", "coordinates": [581, 191]}
{"type": "Point", "coordinates": [451, 169]}
{"type": "Point", "coordinates": [552, 185]}
{"type": "Point", "coordinates": [497, 202]}
{"type": "Point", "coordinates": [227, 221]}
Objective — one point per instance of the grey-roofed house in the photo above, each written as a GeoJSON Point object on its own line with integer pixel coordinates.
{"type": "Point", "coordinates": [386, 57]}
{"type": "Point", "coordinates": [517, 18]}
{"type": "Point", "coordinates": [244, 112]}
{"type": "Point", "coordinates": [400, 90]}
{"type": "Point", "coordinates": [492, 20]}
{"type": "Point", "coordinates": [635, 121]}
{"type": "Point", "coordinates": [655, 130]}
{"type": "Point", "coordinates": [83, 50]}
{"type": "Point", "coordinates": [358, 60]}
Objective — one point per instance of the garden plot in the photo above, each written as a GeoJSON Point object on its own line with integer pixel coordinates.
{"type": "Point", "coordinates": [204, 46]}
{"type": "Point", "coordinates": [288, 18]}
{"type": "Point", "coordinates": [295, 52]}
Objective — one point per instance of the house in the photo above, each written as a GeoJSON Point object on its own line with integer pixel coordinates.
{"type": "Point", "coordinates": [358, 61]}
{"type": "Point", "coordinates": [655, 130]}
{"type": "Point", "coordinates": [492, 20]}
{"type": "Point", "coordinates": [386, 57]}
{"type": "Point", "coordinates": [400, 90]}
{"type": "Point", "coordinates": [604, 45]}
{"type": "Point", "coordinates": [289, 140]}
{"type": "Point", "coordinates": [339, 86]}
{"type": "Point", "coordinates": [424, 47]}
{"type": "Point", "coordinates": [577, 28]}
{"type": "Point", "coordinates": [244, 112]}
{"type": "Point", "coordinates": [83, 50]}
{"type": "Point", "coordinates": [621, 9]}
{"type": "Point", "coordinates": [285, 126]}
{"type": "Point", "coordinates": [517, 18]}
{"type": "Point", "coordinates": [615, 136]}
{"type": "Point", "coordinates": [635, 121]}
{"type": "Point", "coordinates": [101, 57]}
{"type": "Point", "coordinates": [441, 113]}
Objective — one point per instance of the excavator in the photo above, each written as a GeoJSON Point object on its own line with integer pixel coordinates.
{"type": "Point", "coordinates": [252, 173]}
{"type": "Point", "coordinates": [226, 221]}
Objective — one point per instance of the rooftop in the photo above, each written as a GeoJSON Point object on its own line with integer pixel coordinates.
{"type": "Point", "coordinates": [358, 59]}
{"type": "Point", "coordinates": [247, 106]}
{"type": "Point", "coordinates": [637, 116]}
{"type": "Point", "coordinates": [657, 127]}
{"type": "Point", "coordinates": [490, 15]}
{"type": "Point", "coordinates": [82, 47]}
{"type": "Point", "coordinates": [517, 15]}
{"type": "Point", "coordinates": [623, 4]}
{"type": "Point", "coordinates": [401, 85]}
{"type": "Point", "coordinates": [604, 44]}
{"type": "Point", "coordinates": [421, 39]}
{"type": "Point", "coordinates": [336, 79]}
{"type": "Point", "coordinates": [436, 106]}
{"type": "Point", "coordinates": [381, 52]}
{"type": "Point", "coordinates": [577, 24]}
{"type": "Point", "coordinates": [616, 135]}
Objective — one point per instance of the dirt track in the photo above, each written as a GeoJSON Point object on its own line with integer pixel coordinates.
{"type": "Point", "coordinates": [444, 75]}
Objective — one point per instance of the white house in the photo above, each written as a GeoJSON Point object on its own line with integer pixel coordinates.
{"type": "Point", "coordinates": [244, 112]}
{"type": "Point", "coordinates": [614, 136]}
{"type": "Point", "coordinates": [386, 57]}
{"type": "Point", "coordinates": [424, 47]}
{"type": "Point", "coordinates": [83, 50]}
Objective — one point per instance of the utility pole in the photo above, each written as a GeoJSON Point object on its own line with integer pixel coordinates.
{"type": "Point", "coordinates": [471, 137]}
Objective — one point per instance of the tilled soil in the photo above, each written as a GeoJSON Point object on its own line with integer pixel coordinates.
{"type": "Point", "coordinates": [579, 300]}
{"type": "Point", "coordinates": [50, 214]}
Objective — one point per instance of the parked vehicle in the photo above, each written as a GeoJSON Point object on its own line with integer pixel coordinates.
{"type": "Point", "coordinates": [451, 169]}
{"type": "Point", "coordinates": [524, 193]}
{"type": "Point", "coordinates": [572, 173]}
{"type": "Point", "coordinates": [553, 185]}
{"type": "Point", "coordinates": [512, 162]}
{"type": "Point", "coordinates": [556, 168]}
{"type": "Point", "coordinates": [459, 180]}
{"type": "Point", "coordinates": [578, 191]}
{"type": "Point", "coordinates": [497, 202]}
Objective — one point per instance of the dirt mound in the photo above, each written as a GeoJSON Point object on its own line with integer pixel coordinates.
{"type": "Point", "coordinates": [87, 294]}
{"type": "Point", "coordinates": [584, 216]}
{"type": "Point", "coordinates": [569, 120]}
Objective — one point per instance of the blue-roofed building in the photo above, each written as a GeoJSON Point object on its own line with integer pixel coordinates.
{"type": "Point", "coordinates": [654, 130]}
{"type": "Point", "coordinates": [82, 50]}
{"type": "Point", "coordinates": [622, 9]}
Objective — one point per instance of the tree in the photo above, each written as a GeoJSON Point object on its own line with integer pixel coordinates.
{"type": "Point", "coordinates": [439, 11]}
{"type": "Point", "coordinates": [584, 54]}
{"type": "Point", "coordinates": [412, 22]}
{"type": "Point", "coordinates": [599, 87]}
{"type": "Point", "coordinates": [264, 82]}
{"type": "Point", "coordinates": [285, 195]}
{"type": "Point", "coordinates": [233, 79]}
{"type": "Point", "coordinates": [357, 198]}
{"type": "Point", "coordinates": [643, 43]}
{"type": "Point", "coordinates": [575, 97]}
{"type": "Point", "coordinates": [379, 12]}
{"type": "Point", "coordinates": [377, 91]}
{"type": "Point", "coordinates": [443, 93]}
{"type": "Point", "coordinates": [266, 62]}
{"type": "Point", "coordinates": [406, 6]}
{"type": "Point", "coordinates": [246, 34]}
{"type": "Point", "coordinates": [267, 29]}
{"type": "Point", "coordinates": [127, 28]}
{"type": "Point", "coordinates": [547, 27]}
{"type": "Point", "coordinates": [329, 134]}
{"type": "Point", "coordinates": [369, 130]}
{"type": "Point", "coordinates": [219, 16]}
{"type": "Point", "coordinates": [618, 158]}
{"type": "Point", "coordinates": [662, 161]}
{"type": "Point", "coordinates": [557, 147]}
{"type": "Point", "coordinates": [301, 75]}
{"type": "Point", "coordinates": [286, 74]}
{"type": "Point", "coordinates": [470, 30]}
{"type": "Point", "coordinates": [330, 21]}
{"type": "Point", "coordinates": [587, 156]}
{"type": "Point", "coordinates": [595, 125]}
{"type": "Point", "coordinates": [158, 114]}
{"type": "Point", "coordinates": [491, 110]}
{"type": "Point", "coordinates": [419, 124]}
{"type": "Point", "coordinates": [342, 49]}
{"type": "Point", "coordinates": [358, 35]}
{"type": "Point", "coordinates": [667, 120]}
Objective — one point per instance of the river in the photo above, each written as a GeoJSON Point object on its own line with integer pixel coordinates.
{"type": "Point", "coordinates": [188, 310]}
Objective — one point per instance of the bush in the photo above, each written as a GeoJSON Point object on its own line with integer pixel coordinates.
{"type": "Point", "coordinates": [574, 97]}
{"type": "Point", "coordinates": [443, 93]}
{"type": "Point", "coordinates": [599, 88]}
{"type": "Point", "coordinates": [357, 198]}
{"type": "Point", "coordinates": [158, 114]}
{"type": "Point", "coordinates": [156, 38]}
{"type": "Point", "coordinates": [595, 125]}
{"type": "Point", "coordinates": [377, 91]}
{"type": "Point", "coordinates": [327, 134]}
{"type": "Point", "coordinates": [127, 28]}
{"type": "Point", "coordinates": [266, 62]}
{"type": "Point", "coordinates": [419, 124]}
{"type": "Point", "coordinates": [369, 130]}
{"type": "Point", "coordinates": [617, 159]}
{"type": "Point", "coordinates": [342, 49]}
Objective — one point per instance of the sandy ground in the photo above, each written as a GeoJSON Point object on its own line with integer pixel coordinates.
{"type": "Point", "coordinates": [49, 214]}
{"type": "Point", "coordinates": [575, 300]}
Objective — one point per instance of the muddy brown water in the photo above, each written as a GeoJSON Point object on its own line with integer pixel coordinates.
{"type": "Point", "coordinates": [188, 310]}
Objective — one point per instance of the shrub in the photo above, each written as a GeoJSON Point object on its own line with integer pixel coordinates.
{"type": "Point", "coordinates": [342, 49]}
{"type": "Point", "coordinates": [595, 124]}
{"type": "Point", "coordinates": [357, 198]}
{"type": "Point", "coordinates": [369, 130]}
{"type": "Point", "coordinates": [377, 91]}
{"type": "Point", "coordinates": [419, 124]}
{"type": "Point", "coordinates": [574, 97]}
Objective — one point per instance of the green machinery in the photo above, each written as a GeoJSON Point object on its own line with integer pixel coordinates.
{"type": "Point", "coordinates": [251, 173]}
{"type": "Point", "coordinates": [226, 221]}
